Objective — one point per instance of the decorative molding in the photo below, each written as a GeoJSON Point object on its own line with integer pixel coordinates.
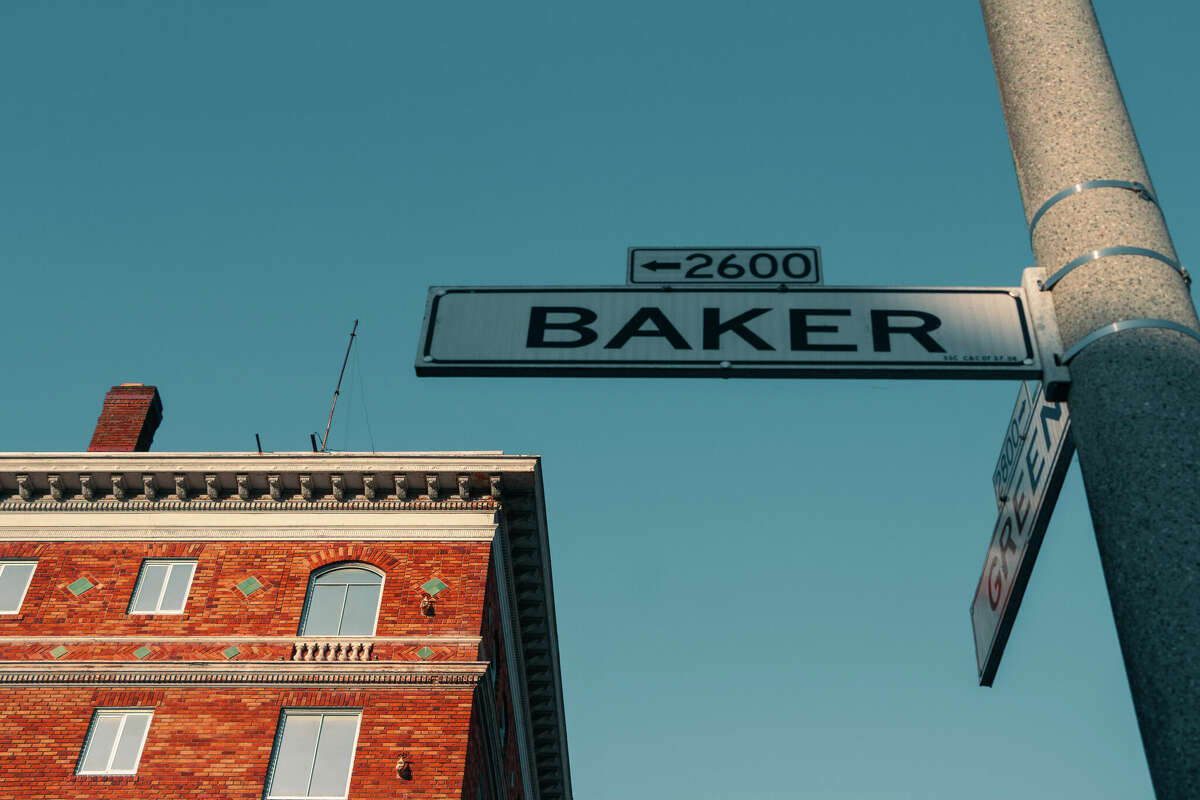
{"type": "Point", "coordinates": [280, 672]}
{"type": "Point", "coordinates": [25, 488]}
{"type": "Point", "coordinates": [215, 485]}
{"type": "Point", "coordinates": [255, 504]}
{"type": "Point", "coordinates": [332, 650]}
{"type": "Point", "coordinates": [523, 538]}
{"type": "Point", "coordinates": [513, 646]}
{"type": "Point", "coordinates": [397, 534]}
{"type": "Point", "coordinates": [101, 639]}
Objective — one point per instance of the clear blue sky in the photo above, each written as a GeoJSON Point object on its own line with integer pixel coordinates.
{"type": "Point", "coordinates": [762, 586]}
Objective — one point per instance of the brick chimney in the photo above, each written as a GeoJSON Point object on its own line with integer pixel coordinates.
{"type": "Point", "coordinates": [130, 416]}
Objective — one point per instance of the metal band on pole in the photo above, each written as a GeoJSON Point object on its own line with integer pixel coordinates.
{"type": "Point", "coordinates": [1132, 186]}
{"type": "Point", "coordinates": [1118, 250]}
{"type": "Point", "coordinates": [1124, 325]}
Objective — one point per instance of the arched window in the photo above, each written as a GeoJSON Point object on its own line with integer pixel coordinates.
{"type": "Point", "coordinates": [342, 600]}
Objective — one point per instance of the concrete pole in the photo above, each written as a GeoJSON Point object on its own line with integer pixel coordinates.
{"type": "Point", "coordinates": [1135, 395]}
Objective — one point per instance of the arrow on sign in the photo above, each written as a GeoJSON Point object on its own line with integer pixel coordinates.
{"type": "Point", "coordinates": [655, 266]}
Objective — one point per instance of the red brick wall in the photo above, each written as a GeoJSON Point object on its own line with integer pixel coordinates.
{"type": "Point", "coordinates": [215, 742]}
{"type": "Point", "coordinates": [215, 606]}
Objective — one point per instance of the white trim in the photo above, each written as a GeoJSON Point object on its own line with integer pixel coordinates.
{"type": "Point", "coordinates": [28, 581]}
{"type": "Point", "coordinates": [299, 461]}
{"type": "Point", "coordinates": [332, 567]}
{"type": "Point", "coordinates": [244, 535]}
{"type": "Point", "coordinates": [322, 712]}
{"type": "Point", "coordinates": [170, 563]}
{"type": "Point", "coordinates": [296, 525]}
{"type": "Point", "coordinates": [125, 713]}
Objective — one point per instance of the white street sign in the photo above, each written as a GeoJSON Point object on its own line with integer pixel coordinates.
{"type": "Point", "coordinates": [821, 332]}
{"type": "Point", "coordinates": [743, 267]}
{"type": "Point", "coordinates": [1018, 426]}
{"type": "Point", "coordinates": [1040, 466]}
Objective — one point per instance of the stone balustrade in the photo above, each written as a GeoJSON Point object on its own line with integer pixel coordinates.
{"type": "Point", "coordinates": [335, 650]}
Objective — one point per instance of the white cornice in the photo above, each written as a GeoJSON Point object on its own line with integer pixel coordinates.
{"type": "Point", "coordinates": [470, 461]}
{"type": "Point", "coordinates": [348, 481]}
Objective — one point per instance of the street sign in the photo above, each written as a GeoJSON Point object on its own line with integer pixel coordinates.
{"type": "Point", "coordinates": [1018, 426]}
{"type": "Point", "coordinates": [1040, 466]}
{"type": "Point", "coordinates": [821, 332]}
{"type": "Point", "coordinates": [744, 267]}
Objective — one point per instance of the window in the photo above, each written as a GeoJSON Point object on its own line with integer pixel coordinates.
{"type": "Point", "coordinates": [314, 753]}
{"type": "Point", "coordinates": [342, 601]}
{"type": "Point", "coordinates": [14, 582]}
{"type": "Point", "coordinates": [162, 587]}
{"type": "Point", "coordinates": [114, 741]}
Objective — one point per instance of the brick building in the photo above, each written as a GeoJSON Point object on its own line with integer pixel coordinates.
{"type": "Point", "coordinates": [280, 625]}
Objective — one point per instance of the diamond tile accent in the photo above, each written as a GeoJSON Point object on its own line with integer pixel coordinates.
{"type": "Point", "coordinates": [80, 586]}
{"type": "Point", "coordinates": [424, 653]}
{"type": "Point", "coordinates": [142, 651]}
{"type": "Point", "coordinates": [59, 651]}
{"type": "Point", "coordinates": [231, 652]}
{"type": "Point", "coordinates": [249, 586]}
{"type": "Point", "coordinates": [433, 586]}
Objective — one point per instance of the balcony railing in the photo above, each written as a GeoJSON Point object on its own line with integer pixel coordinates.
{"type": "Point", "coordinates": [336, 650]}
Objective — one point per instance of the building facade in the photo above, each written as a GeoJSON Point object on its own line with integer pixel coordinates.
{"type": "Point", "coordinates": [280, 625]}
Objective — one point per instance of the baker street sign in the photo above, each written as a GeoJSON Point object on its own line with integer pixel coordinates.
{"type": "Point", "coordinates": [875, 332]}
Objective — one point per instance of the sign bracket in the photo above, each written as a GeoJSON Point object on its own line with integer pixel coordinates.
{"type": "Point", "coordinates": [1055, 375]}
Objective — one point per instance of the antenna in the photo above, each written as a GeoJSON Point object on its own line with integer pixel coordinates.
{"type": "Point", "coordinates": [338, 389]}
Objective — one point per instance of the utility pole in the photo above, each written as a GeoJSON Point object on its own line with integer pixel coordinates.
{"type": "Point", "coordinates": [1135, 384]}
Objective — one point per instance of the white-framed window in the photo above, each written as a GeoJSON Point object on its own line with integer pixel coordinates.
{"type": "Point", "coordinates": [342, 600]}
{"type": "Point", "coordinates": [162, 587]}
{"type": "Point", "coordinates": [314, 754]}
{"type": "Point", "coordinates": [114, 741]}
{"type": "Point", "coordinates": [14, 583]}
